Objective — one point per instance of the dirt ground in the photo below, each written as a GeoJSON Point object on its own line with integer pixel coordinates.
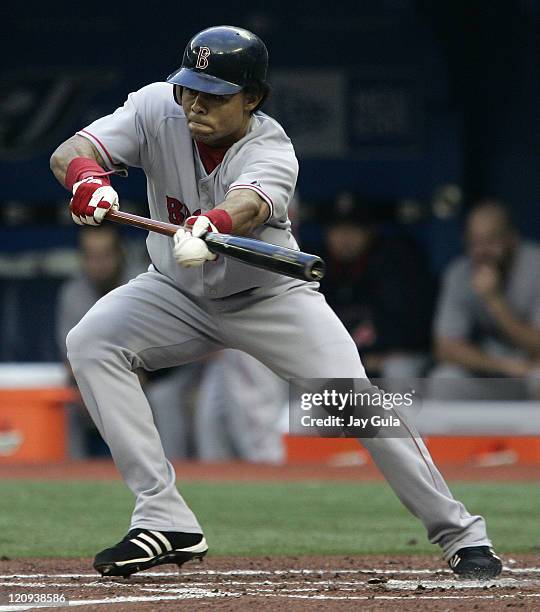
{"type": "Point", "coordinates": [287, 583]}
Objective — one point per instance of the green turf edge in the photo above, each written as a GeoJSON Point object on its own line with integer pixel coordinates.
{"type": "Point", "coordinates": [78, 518]}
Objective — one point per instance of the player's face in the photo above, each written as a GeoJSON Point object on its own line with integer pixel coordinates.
{"type": "Point", "coordinates": [217, 121]}
{"type": "Point", "coordinates": [101, 257]}
{"type": "Point", "coordinates": [489, 240]}
{"type": "Point", "coordinates": [345, 242]}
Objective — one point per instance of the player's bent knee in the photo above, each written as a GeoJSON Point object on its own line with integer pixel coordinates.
{"type": "Point", "coordinates": [85, 343]}
{"type": "Point", "coordinates": [77, 343]}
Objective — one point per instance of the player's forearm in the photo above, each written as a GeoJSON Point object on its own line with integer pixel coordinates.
{"type": "Point", "coordinates": [246, 209]}
{"type": "Point", "coordinates": [521, 334]}
{"type": "Point", "coordinates": [76, 146]}
{"type": "Point", "coordinates": [468, 356]}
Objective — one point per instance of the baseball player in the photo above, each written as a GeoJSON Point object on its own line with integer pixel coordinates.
{"type": "Point", "coordinates": [213, 161]}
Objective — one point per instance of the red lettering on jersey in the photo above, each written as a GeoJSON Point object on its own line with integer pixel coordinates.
{"type": "Point", "coordinates": [178, 212]}
{"type": "Point", "coordinates": [202, 58]}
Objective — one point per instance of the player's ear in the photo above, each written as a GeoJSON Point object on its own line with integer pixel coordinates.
{"type": "Point", "coordinates": [177, 93]}
{"type": "Point", "coordinates": [252, 99]}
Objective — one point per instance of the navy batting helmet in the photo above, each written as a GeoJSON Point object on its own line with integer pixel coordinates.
{"type": "Point", "coordinates": [222, 60]}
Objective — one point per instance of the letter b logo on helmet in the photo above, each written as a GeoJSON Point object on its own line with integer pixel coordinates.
{"type": "Point", "coordinates": [222, 60]}
{"type": "Point", "coordinates": [202, 58]}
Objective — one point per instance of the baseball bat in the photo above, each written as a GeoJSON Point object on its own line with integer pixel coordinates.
{"type": "Point", "coordinates": [248, 250]}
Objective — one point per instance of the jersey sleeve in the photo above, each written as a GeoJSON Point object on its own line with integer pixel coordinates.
{"type": "Point", "coordinates": [270, 169]}
{"type": "Point", "coordinates": [454, 317]}
{"type": "Point", "coordinates": [119, 137]}
{"type": "Point", "coordinates": [533, 281]}
{"type": "Point", "coordinates": [72, 304]}
{"type": "Point", "coordinates": [535, 314]}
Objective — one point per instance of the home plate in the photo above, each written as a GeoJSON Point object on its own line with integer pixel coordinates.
{"type": "Point", "coordinates": [412, 585]}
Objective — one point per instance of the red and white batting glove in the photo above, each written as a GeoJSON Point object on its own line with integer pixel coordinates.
{"type": "Point", "coordinates": [216, 220]}
{"type": "Point", "coordinates": [189, 249]}
{"type": "Point", "coordinates": [92, 199]}
{"type": "Point", "coordinates": [93, 195]}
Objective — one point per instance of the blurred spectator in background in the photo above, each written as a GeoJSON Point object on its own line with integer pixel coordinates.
{"type": "Point", "coordinates": [488, 316]}
{"type": "Point", "coordinates": [103, 268]}
{"type": "Point", "coordinates": [240, 410]}
{"type": "Point", "coordinates": [381, 288]}
{"type": "Point", "coordinates": [242, 406]}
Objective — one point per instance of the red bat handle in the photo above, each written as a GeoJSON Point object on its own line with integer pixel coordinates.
{"type": "Point", "coordinates": [151, 225]}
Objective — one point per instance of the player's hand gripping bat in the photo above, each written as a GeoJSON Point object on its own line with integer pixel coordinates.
{"type": "Point", "coordinates": [253, 252]}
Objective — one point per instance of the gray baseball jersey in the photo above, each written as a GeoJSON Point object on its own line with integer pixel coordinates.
{"type": "Point", "coordinates": [150, 132]}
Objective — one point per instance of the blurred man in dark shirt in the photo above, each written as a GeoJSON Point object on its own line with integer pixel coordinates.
{"type": "Point", "coordinates": [381, 288]}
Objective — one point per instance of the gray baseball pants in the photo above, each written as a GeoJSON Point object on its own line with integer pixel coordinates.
{"type": "Point", "coordinates": [152, 323]}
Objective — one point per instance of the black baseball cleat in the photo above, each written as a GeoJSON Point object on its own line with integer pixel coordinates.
{"type": "Point", "coordinates": [475, 563]}
{"type": "Point", "coordinates": [145, 548]}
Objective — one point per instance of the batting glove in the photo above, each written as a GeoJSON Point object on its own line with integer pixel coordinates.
{"type": "Point", "coordinates": [190, 251]}
{"type": "Point", "coordinates": [215, 220]}
{"type": "Point", "coordinates": [92, 199]}
{"type": "Point", "coordinates": [199, 225]}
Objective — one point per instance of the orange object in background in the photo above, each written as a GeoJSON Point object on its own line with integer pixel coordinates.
{"type": "Point", "coordinates": [485, 450]}
{"type": "Point", "coordinates": [448, 450]}
{"type": "Point", "coordinates": [33, 424]}
{"type": "Point", "coordinates": [326, 451]}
